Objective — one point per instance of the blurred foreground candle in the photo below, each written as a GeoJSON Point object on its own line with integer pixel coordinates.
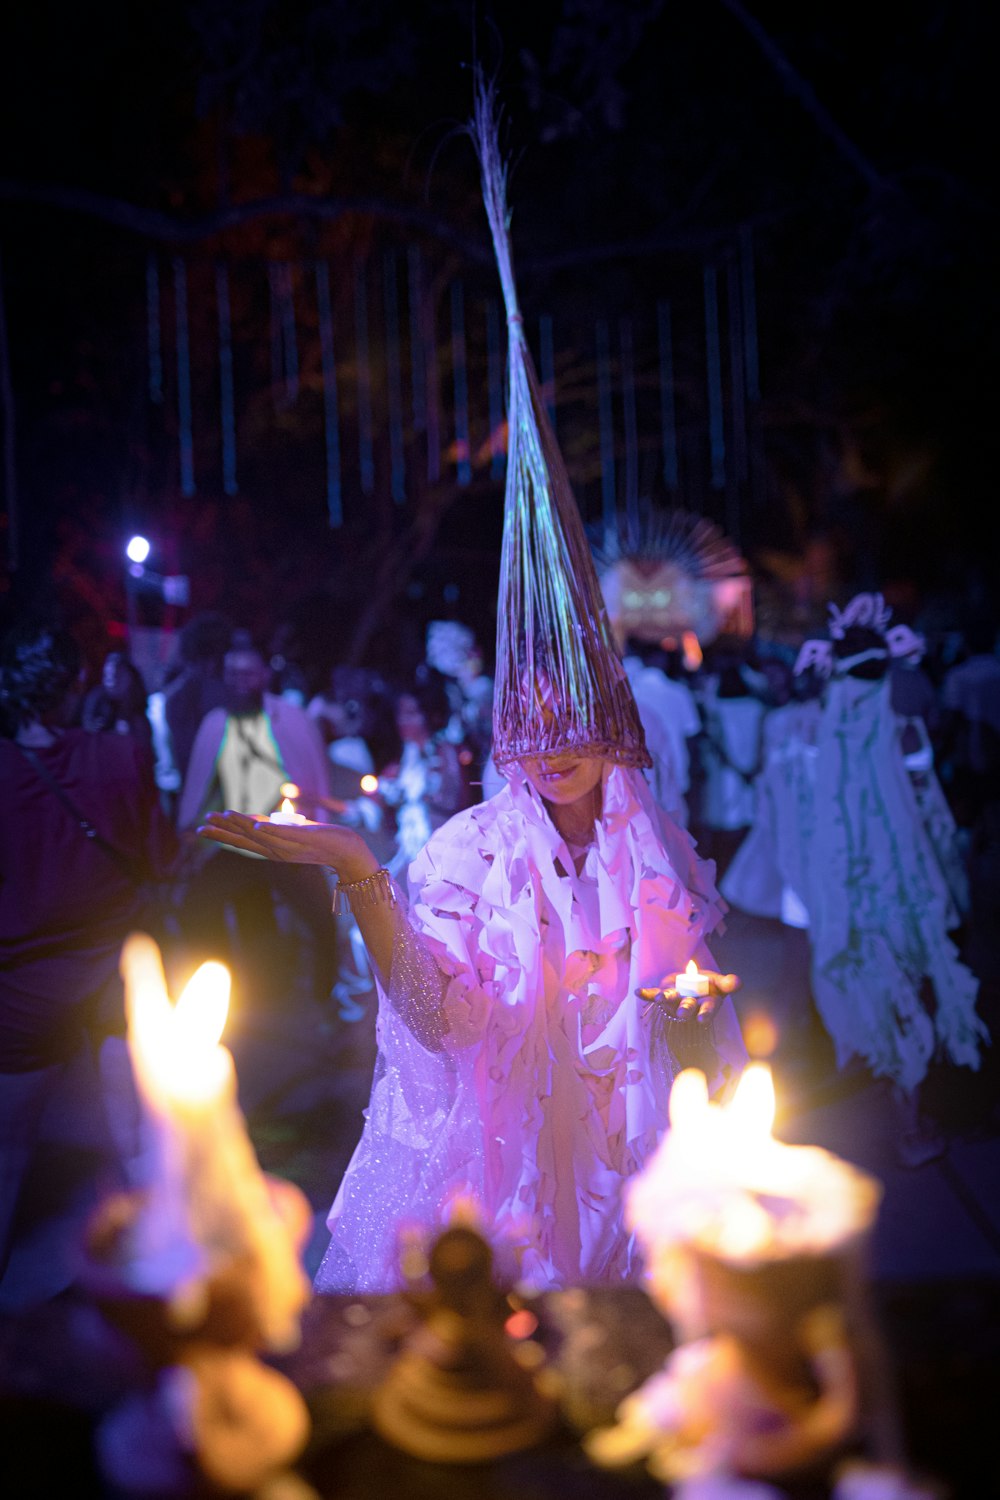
{"type": "Point", "coordinates": [754, 1250]}
{"type": "Point", "coordinates": [207, 1204]}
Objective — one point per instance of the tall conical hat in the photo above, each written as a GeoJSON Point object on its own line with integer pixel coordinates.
{"type": "Point", "coordinates": [559, 684]}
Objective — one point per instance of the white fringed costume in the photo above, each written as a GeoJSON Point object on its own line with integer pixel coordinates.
{"type": "Point", "coordinates": [886, 977]}
{"type": "Point", "coordinates": [768, 874]}
{"type": "Point", "coordinates": [516, 1065]}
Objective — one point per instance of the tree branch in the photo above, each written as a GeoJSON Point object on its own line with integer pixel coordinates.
{"type": "Point", "coordinates": [804, 92]}
{"type": "Point", "coordinates": [154, 224]}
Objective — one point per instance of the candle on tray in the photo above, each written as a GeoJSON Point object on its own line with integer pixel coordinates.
{"type": "Point", "coordinates": [208, 1204]}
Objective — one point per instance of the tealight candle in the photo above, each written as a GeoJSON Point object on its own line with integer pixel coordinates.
{"type": "Point", "coordinates": [287, 814]}
{"type": "Point", "coordinates": [691, 984]}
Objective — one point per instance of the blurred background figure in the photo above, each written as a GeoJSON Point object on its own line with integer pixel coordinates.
{"type": "Point", "coordinates": [288, 676]}
{"type": "Point", "coordinates": [273, 919]}
{"type": "Point", "coordinates": [82, 840]}
{"type": "Point", "coordinates": [886, 976]}
{"type": "Point", "coordinates": [194, 689]}
{"type": "Point", "coordinates": [670, 719]}
{"type": "Point", "coordinates": [344, 713]}
{"type": "Point", "coordinates": [348, 716]}
{"type": "Point", "coordinates": [118, 702]}
{"type": "Point", "coordinates": [453, 651]}
{"type": "Point", "coordinates": [428, 783]}
{"type": "Point", "coordinates": [730, 750]}
{"type": "Point", "coordinates": [767, 875]}
{"type": "Point", "coordinates": [971, 731]}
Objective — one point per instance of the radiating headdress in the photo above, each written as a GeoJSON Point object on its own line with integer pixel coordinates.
{"type": "Point", "coordinates": [671, 573]}
{"type": "Point", "coordinates": [868, 612]}
{"type": "Point", "coordinates": [560, 684]}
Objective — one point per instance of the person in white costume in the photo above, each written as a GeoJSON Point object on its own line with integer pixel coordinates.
{"type": "Point", "coordinates": [767, 876]}
{"type": "Point", "coordinates": [886, 977]}
{"type": "Point", "coordinates": [528, 975]}
{"type": "Point", "coordinates": [518, 1062]}
{"type": "Point", "coordinates": [670, 718]}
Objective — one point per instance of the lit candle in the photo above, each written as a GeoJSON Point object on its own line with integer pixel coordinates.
{"type": "Point", "coordinates": [369, 785]}
{"type": "Point", "coordinates": [208, 1203]}
{"type": "Point", "coordinates": [721, 1183]}
{"type": "Point", "coordinates": [752, 1251]}
{"type": "Point", "coordinates": [691, 984]}
{"type": "Point", "coordinates": [287, 814]}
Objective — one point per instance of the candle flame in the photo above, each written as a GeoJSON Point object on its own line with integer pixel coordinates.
{"type": "Point", "coordinates": [286, 806]}
{"type": "Point", "coordinates": [369, 785]}
{"type": "Point", "coordinates": [200, 1013]}
{"type": "Point", "coordinates": [688, 1100]}
{"type": "Point", "coordinates": [175, 1049]}
{"type": "Point", "coordinates": [692, 968]}
{"type": "Point", "coordinates": [720, 1180]}
{"type": "Point", "coordinates": [751, 1113]}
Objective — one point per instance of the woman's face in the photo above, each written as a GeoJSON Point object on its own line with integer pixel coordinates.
{"type": "Point", "coordinates": [558, 776]}
{"type": "Point", "coordinates": [562, 777]}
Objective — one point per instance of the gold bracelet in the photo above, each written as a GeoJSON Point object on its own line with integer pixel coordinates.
{"type": "Point", "coordinates": [369, 891]}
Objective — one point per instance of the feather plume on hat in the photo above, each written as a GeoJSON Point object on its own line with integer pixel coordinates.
{"type": "Point", "coordinates": [560, 684]}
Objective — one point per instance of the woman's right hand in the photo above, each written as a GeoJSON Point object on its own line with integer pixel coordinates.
{"type": "Point", "coordinates": [342, 849]}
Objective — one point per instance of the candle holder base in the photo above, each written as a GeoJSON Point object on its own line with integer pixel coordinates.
{"type": "Point", "coordinates": [457, 1394]}
{"type": "Point", "coordinates": [211, 1418]}
{"type": "Point", "coordinates": [781, 1372]}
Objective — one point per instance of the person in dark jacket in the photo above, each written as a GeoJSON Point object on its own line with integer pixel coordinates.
{"type": "Point", "coordinates": [82, 837]}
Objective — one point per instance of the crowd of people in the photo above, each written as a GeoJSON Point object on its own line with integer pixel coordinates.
{"type": "Point", "coordinates": [857, 804]}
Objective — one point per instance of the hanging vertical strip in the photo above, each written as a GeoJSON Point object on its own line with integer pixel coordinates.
{"type": "Point", "coordinates": [606, 428]}
{"type": "Point", "coordinates": [460, 377]}
{"type": "Point", "coordinates": [227, 405]}
{"type": "Point", "coordinates": [737, 399]}
{"type": "Point", "coordinates": [7, 425]}
{"type": "Point", "coordinates": [494, 377]}
{"type": "Point", "coordinates": [185, 436]}
{"type": "Point", "coordinates": [716, 434]}
{"type": "Point", "coordinates": [331, 422]}
{"type": "Point", "coordinates": [277, 334]}
{"type": "Point", "coordinates": [631, 426]}
{"type": "Point", "coordinates": [394, 380]}
{"type": "Point", "coordinates": [289, 341]}
{"type": "Point", "coordinates": [418, 369]}
{"type": "Point", "coordinates": [153, 339]}
{"type": "Point", "coordinates": [366, 450]}
{"type": "Point", "coordinates": [749, 290]}
{"type": "Point", "coordinates": [737, 368]}
{"type": "Point", "coordinates": [547, 365]}
{"type": "Point", "coordinates": [417, 359]}
{"type": "Point", "coordinates": [668, 407]}
{"type": "Point", "coordinates": [432, 387]}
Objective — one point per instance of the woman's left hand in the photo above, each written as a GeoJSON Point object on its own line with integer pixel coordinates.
{"type": "Point", "coordinates": [699, 1007]}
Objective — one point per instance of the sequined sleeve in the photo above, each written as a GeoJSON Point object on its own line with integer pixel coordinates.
{"type": "Point", "coordinates": [417, 986]}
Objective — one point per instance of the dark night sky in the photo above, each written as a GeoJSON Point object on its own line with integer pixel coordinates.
{"type": "Point", "coordinates": [642, 133]}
